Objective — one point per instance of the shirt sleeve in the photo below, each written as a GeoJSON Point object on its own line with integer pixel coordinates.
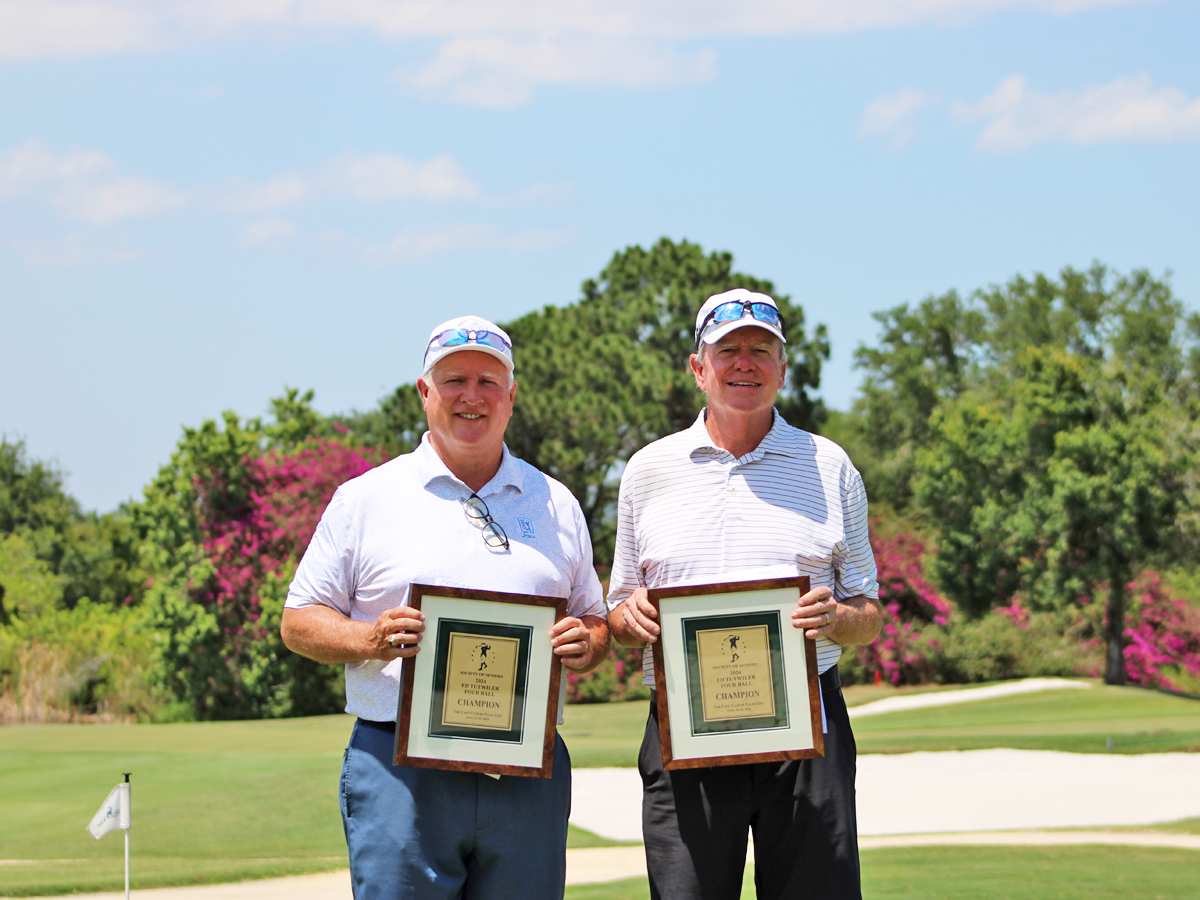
{"type": "Point", "coordinates": [854, 565]}
{"type": "Point", "coordinates": [325, 576]}
{"type": "Point", "coordinates": [587, 596]}
{"type": "Point", "coordinates": [624, 578]}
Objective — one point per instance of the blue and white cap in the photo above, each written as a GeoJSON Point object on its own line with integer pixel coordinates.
{"type": "Point", "coordinates": [468, 333]}
{"type": "Point", "coordinates": [722, 313]}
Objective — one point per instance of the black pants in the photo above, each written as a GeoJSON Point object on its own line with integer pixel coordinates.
{"type": "Point", "coordinates": [801, 813]}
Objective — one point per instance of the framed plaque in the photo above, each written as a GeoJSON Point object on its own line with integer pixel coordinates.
{"type": "Point", "coordinates": [482, 693]}
{"type": "Point", "coordinates": [734, 681]}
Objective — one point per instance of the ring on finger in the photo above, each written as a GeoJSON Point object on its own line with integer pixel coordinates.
{"type": "Point", "coordinates": [828, 618]}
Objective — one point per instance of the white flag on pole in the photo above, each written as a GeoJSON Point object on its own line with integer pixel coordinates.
{"type": "Point", "coordinates": [113, 814]}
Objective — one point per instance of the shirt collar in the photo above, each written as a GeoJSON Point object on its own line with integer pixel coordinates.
{"type": "Point", "coordinates": [429, 468]}
{"type": "Point", "coordinates": [781, 439]}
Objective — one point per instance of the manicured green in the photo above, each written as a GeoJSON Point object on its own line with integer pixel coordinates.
{"type": "Point", "coordinates": [604, 734]}
{"type": "Point", "coordinates": [993, 873]}
{"type": "Point", "coordinates": [1069, 720]}
{"type": "Point", "coordinates": [625, 889]}
{"type": "Point", "coordinates": [1076, 721]}
{"type": "Point", "coordinates": [1031, 873]}
{"type": "Point", "coordinates": [221, 801]}
{"type": "Point", "coordinates": [212, 802]}
{"type": "Point", "coordinates": [580, 837]}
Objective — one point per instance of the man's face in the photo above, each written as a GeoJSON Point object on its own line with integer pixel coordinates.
{"type": "Point", "coordinates": [743, 372]}
{"type": "Point", "coordinates": [468, 400]}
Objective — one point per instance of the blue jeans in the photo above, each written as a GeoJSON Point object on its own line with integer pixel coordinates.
{"type": "Point", "coordinates": [429, 834]}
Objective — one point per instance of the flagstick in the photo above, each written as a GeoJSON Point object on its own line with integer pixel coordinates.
{"type": "Point", "coordinates": [127, 774]}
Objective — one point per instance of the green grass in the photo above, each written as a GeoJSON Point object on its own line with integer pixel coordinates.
{"type": "Point", "coordinates": [993, 873]}
{"type": "Point", "coordinates": [1031, 873]}
{"type": "Point", "coordinates": [1069, 720]}
{"type": "Point", "coordinates": [224, 801]}
{"type": "Point", "coordinates": [212, 802]}
{"type": "Point", "coordinates": [1076, 721]}
{"type": "Point", "coordinates": [604, 734]}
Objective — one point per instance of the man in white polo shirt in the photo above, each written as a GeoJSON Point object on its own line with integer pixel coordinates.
{"type": "Point", "coordinates": [459, 511]}
{"type": "Point", "coordinates": [742, 495]}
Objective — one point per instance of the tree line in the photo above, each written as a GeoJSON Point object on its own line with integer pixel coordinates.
{"type": "Point", "coordinates": [1030, 451]}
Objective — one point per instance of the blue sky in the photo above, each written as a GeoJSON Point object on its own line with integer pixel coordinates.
{"type": "Point", "coordinates": [203, 202]}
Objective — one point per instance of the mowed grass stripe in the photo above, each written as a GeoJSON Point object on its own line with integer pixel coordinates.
{"type": "Point", "coordinates": [212, 801]}
{"type": "Point", "coordinates": [1077, 721]}
{"type": "Point", "coordinates": [992, 873]}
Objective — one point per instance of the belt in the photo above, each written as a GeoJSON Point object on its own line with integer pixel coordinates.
{"type": "Point", "coordinates": [389, 727]}
{"type": "Point", "coordinates": [830, 678]}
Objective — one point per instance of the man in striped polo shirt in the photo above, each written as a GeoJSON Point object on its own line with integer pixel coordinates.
{"type": "Point", "coordinates": [742, 495]}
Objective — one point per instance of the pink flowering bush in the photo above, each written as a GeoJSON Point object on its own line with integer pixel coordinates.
{"type": "Point", "coordinates": [288, 493]}
{"type": "Point", "coordinates": [904, 652]}
{"type": "Point", "coordinates": [1163, 648]}
{"type": "Point", "coordinates": [619, 677]}
{"type": "Point", "coordinates": [226, 523]}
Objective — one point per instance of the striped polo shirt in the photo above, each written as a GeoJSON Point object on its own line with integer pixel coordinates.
{"type": "Point", "coordinates": [691, 513]}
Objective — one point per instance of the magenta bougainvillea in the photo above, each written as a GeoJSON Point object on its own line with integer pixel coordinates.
{"type": "Point", "coordinates": [287, 494]}
{"type": "Point", "coordinates": [910, 603]}
{"type": "Point", "coordinates": [1165, 635]}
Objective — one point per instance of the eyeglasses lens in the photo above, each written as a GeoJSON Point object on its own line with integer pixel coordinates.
{"type": "Point", "coordinates": [494, 536]}
{"type": "Point", "coordinates": [736, 309]}
{"type": "Point", "coordinates": [476, 508]}
{"type": "Point", "coordinates": [479, 516]}
{"type": "Point", "coordinates": [459, 336]}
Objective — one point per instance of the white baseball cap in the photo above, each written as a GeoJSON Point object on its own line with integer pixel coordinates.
{"type": "Point", "coordinates": [468, 333]}
{"type": "Point", "coordinates": [722, 313]}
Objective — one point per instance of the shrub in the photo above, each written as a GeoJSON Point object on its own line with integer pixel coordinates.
{"type": "Point", "coordinates": [1163, 648]}
{"type": "Point", "coordinates": [619, 677]}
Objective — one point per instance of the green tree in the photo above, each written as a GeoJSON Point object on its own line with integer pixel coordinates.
{"type": "Point", "coordinates": [224, 524]}
{"type": "Point", "coordinates": [601, 378]}
{"type": "Point", "coordinates": [1061, 466]}
{"type": "Point", "coordinates": [946, 346]}
{"type": "Point", "coordinates": [96, 555]}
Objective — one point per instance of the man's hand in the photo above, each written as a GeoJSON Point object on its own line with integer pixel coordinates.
{"type": "Point", "coordinates": [816, 612]}
{"type": "Point", "coordinates": [397, 633]}
{"type": "Point", "coordinates": [634, 622]}
{"type": "Point", "coordinates": [853, 621]}
{"type": "Point", "coordinates": [581, 643]}
{"type": "Point", "coordinates": [324, 634]}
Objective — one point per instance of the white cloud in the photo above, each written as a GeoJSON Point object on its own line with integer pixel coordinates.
{"type": "Point", "coordinates": [892, 115]}
{"type": "Point", "coordinates": [75, 249]}
{"type": "Point", "coordinates": [422, 241]}
{"type": "Point", "coordinates": [115, 199]}
{"type": "Point", "coordinates": [77, 28]}
{"type": "Point", "coordinates": [1128, 110]}
{"type": "Point", "coordinates": [279, 192]}
{"type": "Point", "coordinates": [496, 71]}
{"type": "Point", "coordinates": [71, 28]}
{"type": "Point", "coordinates": [384, 176]}
{"type": "Point", "coordinates": [33, 164]}
{"type": "Point", "coordinates": [367, 178]}
{"type": "Point", "coordinates": [261, 230]}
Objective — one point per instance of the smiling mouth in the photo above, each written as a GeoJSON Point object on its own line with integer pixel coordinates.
{"type": "Point", "coordinates": [744, 383]}
{"type": "Point", "coordinates": [470, 415]}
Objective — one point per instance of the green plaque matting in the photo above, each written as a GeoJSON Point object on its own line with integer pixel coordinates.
{"type": "Point", "coordinates": [749, 678]}
{"type": "Point", "coordinates": [490, 670]}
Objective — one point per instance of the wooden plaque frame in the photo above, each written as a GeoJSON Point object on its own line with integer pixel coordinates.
{"type": "Point", "coordinates": [799, 652]}
{"type": "Point", "coordinates": [544, 674]}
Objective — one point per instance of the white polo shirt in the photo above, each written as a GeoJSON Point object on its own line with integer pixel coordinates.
{"type": "Point", "coordinates": [691, 513]}
{"type": "Point", "coordinates": [403, 522]}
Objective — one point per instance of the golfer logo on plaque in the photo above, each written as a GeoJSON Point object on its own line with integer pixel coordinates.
{"type": "Point", "coordinates": [486, 698]}
{"type": "Point", "coordinates": [735, 686]}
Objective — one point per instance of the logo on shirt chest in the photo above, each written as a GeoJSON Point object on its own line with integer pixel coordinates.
{"type": "Point", "coordinates": [526, 527]}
